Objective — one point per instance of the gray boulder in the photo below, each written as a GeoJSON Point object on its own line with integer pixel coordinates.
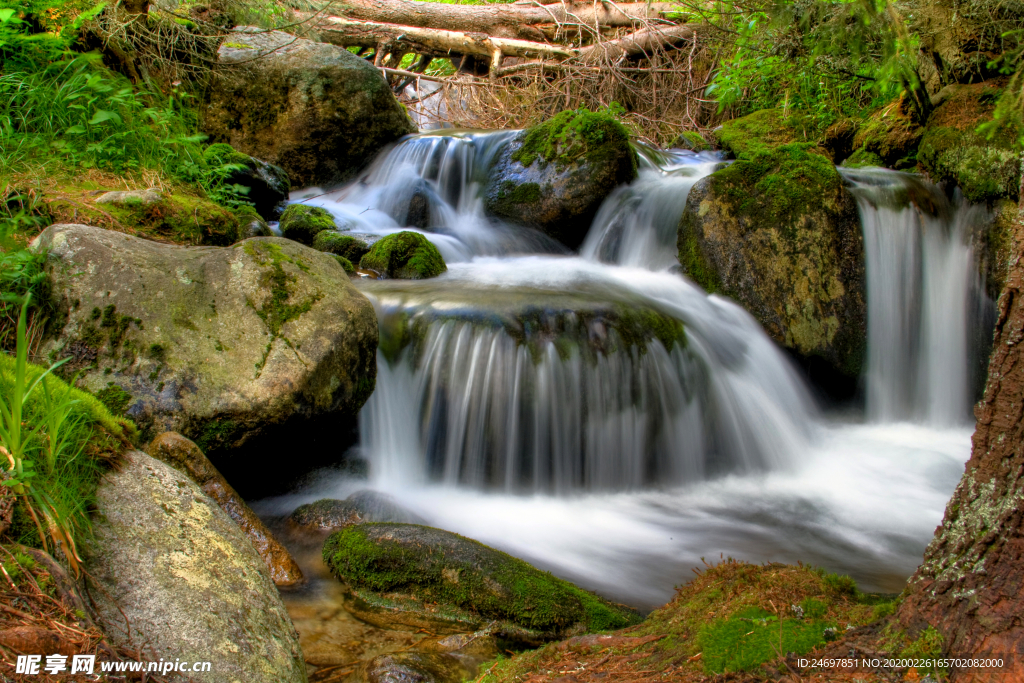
{"type": "Point", "coordinates": [554, 176]}
{"type": "Point", "coordinates": [218, 344]}
{"type": "Point", "coordinates": [328, 515]}
{"type": "Point", "coordinates": [316, 110]}
{"type": "Point", "coordinates": [165, 557]}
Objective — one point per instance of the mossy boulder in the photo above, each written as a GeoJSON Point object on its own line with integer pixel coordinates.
{"type": "Point", "coordinates": [889, 137]}
{"type": "Point", "coordinates": [952, 150]}
{"type": "Point", "coordinates": [691, 140]}
{"type": "Point", "coordinates": [167, 560]}
{"type": "Point", "coordinates": [327, 514]}
{"type": "Point", "coordinates": [414, 576]}
{"type": "Point", "coordinates": [340, 244]}
{"type": "Point", "coordinates": [222, 345]}
{"type": "Point", "coordinates": [173, 217]}
{"type": "Point", "coordinates": [763, 131]}
{"type": "Point", "coordinates": [266, 185]}
{"type": "Point", "coordinates": [251, 223]}
{"type": "Point", "coordinates": [404, 255]}
{"type": "Point", "coordinates": [303, 223]}
{"type": "Point", "coordinates": [779, 233]}
{"type": "Point", "coordinates": [554, 176]}
{"type": "Point", "coordinates": [316, 110]}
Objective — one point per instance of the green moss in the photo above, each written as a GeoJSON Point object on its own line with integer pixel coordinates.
{"type": "Point", "coordinates": [346, 264]}
{"type": "Point", "coordinates": [221, 153]}
{"type": "Point", "coordinates": [692, 258]}
{"type": "Point", "coordinates": [115, 399]}
{"type": "Point", "coordinates": [691, 140]}
{"type": "Point", "coordinates": [181, 218]}
{"type": "Point", "coordinates": [779, 185]}
{"type": "Point", "coordinates": [763, 131]}
{"type": "Point", "coordinates": [216, 434]}
{"type": "Point", "coordinates": [303, 223]}
{"type": "Point", "coordinates": [526, 193]}
{"type": "Point", "coordinates": [862, 158]}
{"type": "Point", "coordinates": [636, 325]}
{"type": "Point", "coordinates": [404, 255]}
{"type": "Point", "coordinates": [572, 136]}
{"type": "Point", "coordinates": [458, 572]}
{"type": "Point", "coordinates": [334, 242]}
{"type": "Point", "coordinates": [754, 636]}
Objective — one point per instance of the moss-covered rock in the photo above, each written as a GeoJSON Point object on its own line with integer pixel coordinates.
{"type": "Point", "coordinates": [347, 246]}
{"type": "Point", "coordinates": [778, 232]}
{"type": "Point", "coordinates": [411, 575]}
{"type": "Point", "coordinates": [327, 514]}
{"type": "Point", "coordinates": [251, 223]}
{"type": "Point", "coordinates": [167, 559]}
{"type": "Point", "coordinates": [862, 158]}
{"type": "Point", "coordinates": [314, 109]}
{"type": "Point", "coordinates": [175, 217]}
{"type": "Point", "coordinates": [303, 223]}
{"type": "Point", "coordinates": [554, 176]}
{"type": "Point", "coordinates": [266, 185]}
{"type": "Point", "coordinates": [219, 344]}
{"type": "Point", "coordinates": [762, 131]}
{"type": "Point", "coordinates": [691, 140]}
{"type": "Point", "coordinates": [421, 667]}
{"type": "Point", "coordinates": [404, 255]}
{"type": "Point", "coordinates": [952, 150]}
{"type": "Point", "coordinates": [889, 135]}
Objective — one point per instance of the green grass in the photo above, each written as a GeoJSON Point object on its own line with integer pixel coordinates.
{"type": "Point", "coordinates": [754, 636]}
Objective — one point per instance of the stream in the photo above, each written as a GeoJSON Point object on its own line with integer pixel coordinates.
{"type": "Point", "coordinates": [510, 410]}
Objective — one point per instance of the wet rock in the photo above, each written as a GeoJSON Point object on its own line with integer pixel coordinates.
{"type": "Point", "coordinates": [416, 667]}
{"type": "Point", "coordinates": [554, 176]}
{"type": "Point", "coordinates": [778, 232]}
{"type": "Point", "coordinates": [168, 560]}
{"type": "Point", "coordinates": [361, 507]}
{"type": "Point", "coordinates": [418, 214]}
{"type": "Point", "coordinates": [221, 345]}
{"type": "Point", "coordinates": [351, 247]}
{"type": "Point", "coordinates": [405, 256]}
{"type": "Point", "coordinates": [251, 224]}
{"type": "Point", "coordinates": [303, 223]}
{"type": "Point", "coordinates": [316, 110]}
{"type": "Point", "coordinates": [889, 137]}
{"type": "Point", "coordinates": [131, 197]}
{"type": "Point", "coordinates": [985, 169]}
{"type": "Point", "coordinates": [267, 185]}
{"type": "Point", "coordinates": [183, 455]}
{"type": "Point", "coordinates": [406, 576]}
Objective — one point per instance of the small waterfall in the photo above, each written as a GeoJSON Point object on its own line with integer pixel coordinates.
{"type": "Point", "coordinates": [638, 223]}
{"type": "Point", "coordinates": [925, 298]}
{"type": "Point", "coordinates": [496, 380]}
{"type": "Point", "coordinates": [431, 183]}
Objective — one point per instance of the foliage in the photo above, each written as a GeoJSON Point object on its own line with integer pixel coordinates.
{"type": "Point", "coordinates": [49, 431]}
{"type": "Point", "coordinates": [21, 275]}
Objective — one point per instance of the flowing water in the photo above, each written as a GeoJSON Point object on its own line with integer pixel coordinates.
{"type": "Point", "coordinates": [552, 405]}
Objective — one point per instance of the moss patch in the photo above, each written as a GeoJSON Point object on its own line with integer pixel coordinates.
{"type": "Point", "coordinates": [302, 223]}
{"type": "Point", "coordinates": [437, 566]}
{"type": "Point", "coordinates": [762, 131]}
{"type": "Point", "coordinates": [862, 158]}
{"type": "Point", "coordinates": [572, 136]}
{"type": "Point", "coordinates": [182, 219]}
{"type": "Point", "coordinates": [115, 399]}
{"type": "Point", "coordinates": [334, 242]}
{"type": "Point", "coordinates": [691, 140]}
{"type": "Point", "coordinates": [404, 255]}
{"type": "Point", "coordinates": [888, 137]}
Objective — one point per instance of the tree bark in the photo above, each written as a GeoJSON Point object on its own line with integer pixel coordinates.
{"type": "Point", "coordinates": [970, 586]}
{"type": "Point", "coordinates": [636, 43]}
{"type": "Point", "coordinates": [505, 20]}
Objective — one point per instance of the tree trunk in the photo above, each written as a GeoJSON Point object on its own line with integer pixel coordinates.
{"type": "Point", "coordinates": [636, 43]}
{"type": "Point", "coordinates": [507, 21]}
{"type": "Point", "coordinates": [970, 586]}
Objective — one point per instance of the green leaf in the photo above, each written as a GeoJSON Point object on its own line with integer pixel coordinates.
{"type": "Point", "coordinates": [104, 115]}
{"type": "Point", "coordinates": [75, 130]}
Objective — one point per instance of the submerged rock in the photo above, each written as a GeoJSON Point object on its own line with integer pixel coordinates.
{"type": "Point", "coordinates": [952, 150]}
{"type": "Point", "coordinates": [303, 223]}
{"type": "Point", "coordinates": [219, 344]}
{"type": "Point", "coordinates": [314, 109]}
{"type": "Point", "coordinates": [404, 255]}
{"type": "Point", "coordinates": [410, 576]}
{"type": "Point", "coordinates": [778, 232]}
{"type": "Point", "coordinates": [554, 176]}
{"type": "Point", "coordinates": [328, 515]}
{"type": "Point", "coordinates": [184, 456]}
{"type": "Point", "coordinates": [165, 557]}
{"type": "Point", "coordinates": [267, 185]}
{"type": "Point", "coordinates": [416, 667]}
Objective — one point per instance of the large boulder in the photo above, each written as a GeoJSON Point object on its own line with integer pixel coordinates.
{"type": "Point", "coordinates": [779, 233]}
{"type": "Point", "coordinates": [218, 344]}
{"type": "Point", "coordinates": [952, 150]}
{"type": "Point", "coordinates": [410, 576]}
{"type": "Point", "coordinates": [183, 455]}
{"type": "Point", "coordinates": [554, 176]}
{"type": "Point", "coordinates": [171, 572]}
{"type": "Point", "coordinates": [316, 110]}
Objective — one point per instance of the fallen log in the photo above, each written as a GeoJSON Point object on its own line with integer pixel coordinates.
{"type": "Point", "coordinates": [641, 42]}
{"type": "Point", "coordinates": [501, 20]}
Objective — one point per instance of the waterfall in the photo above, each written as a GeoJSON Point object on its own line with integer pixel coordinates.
{"type": "Point", "coordinates": [925, 297]}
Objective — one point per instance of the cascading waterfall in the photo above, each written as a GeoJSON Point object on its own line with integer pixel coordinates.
{"type": "Point", "coordinates": [925, 298]}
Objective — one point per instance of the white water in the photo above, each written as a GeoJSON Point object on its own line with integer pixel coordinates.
{"type": "Point", "coordinates": [622, 472]}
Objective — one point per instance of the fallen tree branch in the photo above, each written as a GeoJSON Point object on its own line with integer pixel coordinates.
{"type": "Point", "coordinates": [636, 43]}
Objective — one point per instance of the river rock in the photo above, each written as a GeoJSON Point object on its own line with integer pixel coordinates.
{"type": "Point", "coordinates": [351, 247]}
{"type": "Point", "coordinates": [316, 110]}
{"type": "Point", "coordinates": [303, 223]}
{"type": "Point", "coordinates": [165, 557]}
{"type": "Point", "coordinates": [164, 216]}
{"type": "Point", "coordinates": [267, 185]}
{"type": "Point", "coordinates": [986, 169]}
{"type": "Point", "coordinates": [404, 255]}
{"type": "Point", "coordinates": [184, 456]}
{"type": "Point", "coordinates": [554, 176]}
{"type": "Point", "coordinates": [406, 576]}
{"type": "Point", "coordinates": [778, 232]}
{"type": "Point", "coordinates": [219, 344]}
{"type": "Point", "coordinates": [416, 667]}
{"type": "Point", "coordinates": [328, 515]}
